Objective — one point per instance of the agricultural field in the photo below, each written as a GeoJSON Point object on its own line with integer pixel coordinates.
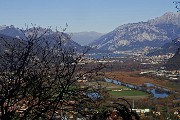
{"type": "Point", "coordinates": [121, 91]}
{"type": "Point", "coordinates": [128, 93]}
{"type": "Point", "coordinates": [135, 79]}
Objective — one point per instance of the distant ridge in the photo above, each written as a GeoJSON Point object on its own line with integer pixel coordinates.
{"type": "Point", "coordinates": [137, 36]}
{"type": "Point", "coordinates": [13, 32]}
{"type": "Point", "coordinates": [84, 38]}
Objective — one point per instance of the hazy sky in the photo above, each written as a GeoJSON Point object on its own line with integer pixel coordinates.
{"type": "Point", "coordinates": [81, 15]}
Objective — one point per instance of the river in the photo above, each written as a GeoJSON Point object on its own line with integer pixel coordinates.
{"type": "Point", "coordinates": [156, 91]}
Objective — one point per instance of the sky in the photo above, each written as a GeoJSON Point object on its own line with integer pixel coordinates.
{"type": "Point", "coordinates": [81, 15]}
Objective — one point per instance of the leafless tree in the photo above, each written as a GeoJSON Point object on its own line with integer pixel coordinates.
{"type": "Point", "coordinates": [39, 77]}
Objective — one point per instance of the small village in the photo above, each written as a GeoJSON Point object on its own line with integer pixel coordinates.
{"type": "Point", "coordinates": [162, 72]}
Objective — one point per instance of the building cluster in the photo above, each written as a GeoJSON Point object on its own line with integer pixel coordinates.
{"type": "Point", "coordinates": [151, 113]}
{"type": "Point", "coordinates": [162, 72]}
{"type": "Point", "coordinates": [159, 59]}
{"type": "Point", "coordinates": [128, 55]}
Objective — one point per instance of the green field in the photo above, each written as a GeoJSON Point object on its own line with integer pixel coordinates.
{"type": "Point", "coordinates": [125, 91]}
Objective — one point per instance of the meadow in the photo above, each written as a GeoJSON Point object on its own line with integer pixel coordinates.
{"type": "Point", "coordinates": [121, 91]}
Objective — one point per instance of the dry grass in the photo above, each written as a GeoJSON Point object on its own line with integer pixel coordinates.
{"type": "Point", "coordinates": [133, 78]}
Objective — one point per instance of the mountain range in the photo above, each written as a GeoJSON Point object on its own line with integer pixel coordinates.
{"type": "Point", "coordinates": [155, 33]}
{"type": "Point", "coordinates": [137, 36]}
{"type": "Point", "coordinates": [11, 32]}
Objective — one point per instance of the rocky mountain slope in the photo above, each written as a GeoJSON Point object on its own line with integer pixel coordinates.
{"type": "Point", "coordinates": [153, 33]}
{"type": "Point", "coordinates": [170, 47]}
{"type": "Point", "coordinates": [174, 62]}
{"type": "Point", "coordinates": [11, 31]}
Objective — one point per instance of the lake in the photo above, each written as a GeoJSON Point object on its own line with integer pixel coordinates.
{"type": "Point", "coordinates": [105, 55]}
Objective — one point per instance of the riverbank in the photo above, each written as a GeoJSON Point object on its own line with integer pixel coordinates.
{"type": "Point", "coordinates": [121, 91]}
{"type": "Point", "coordinates": [134, 79]}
